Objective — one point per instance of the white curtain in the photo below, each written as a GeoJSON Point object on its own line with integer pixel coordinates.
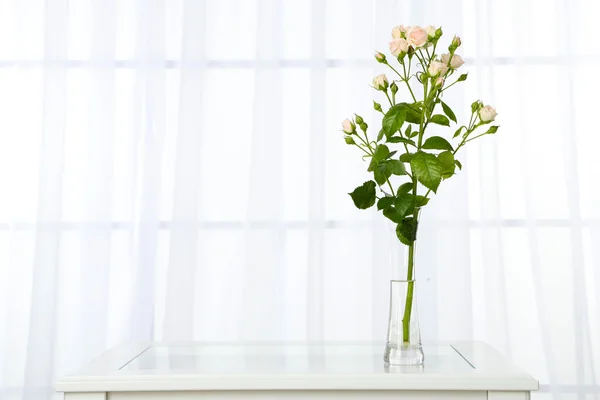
{"type": "Point", "coordinates": [174, 170]}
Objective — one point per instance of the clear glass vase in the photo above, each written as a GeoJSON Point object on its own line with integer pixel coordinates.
{"type": "Point", "coordinates": [403, 345]}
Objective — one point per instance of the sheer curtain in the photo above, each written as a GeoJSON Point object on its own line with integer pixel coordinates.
{"type": "Point", "coordinates": [174, 170]}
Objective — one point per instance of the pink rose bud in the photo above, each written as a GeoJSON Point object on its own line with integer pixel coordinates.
{"type": "Point", "coordinates": [416, 36]}
{"type": "Point", "coordinates": [456, 61]}
{"type": "Point", "coordinates": [398, 46]}
{"type": "Point", "coordinates": [348, 127]}
{"type": "Point", "coordinates": [487, 114]}
{"type": "Point", "coordinates": [439, 81]}
{"type": "Point", "coordinates": [380, 57]}
{"type": "Point", "coordinates": [380, 82]}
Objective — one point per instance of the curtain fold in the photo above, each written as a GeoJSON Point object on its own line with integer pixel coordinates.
{"type": "Point", "coordinates": [42, 310]}
{"type": "Point", "coordinates": [174, 170]}
{"type": "Point", "coordinates": [185, 248]}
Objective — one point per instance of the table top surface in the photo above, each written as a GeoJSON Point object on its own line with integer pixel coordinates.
{"type": "Point", "coordinates": [293, 366]}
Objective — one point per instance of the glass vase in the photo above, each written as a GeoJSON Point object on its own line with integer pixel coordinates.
{"type": "Point", "coordinates": [403, 345]}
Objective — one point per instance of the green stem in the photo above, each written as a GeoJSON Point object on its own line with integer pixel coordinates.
{"type": "Point", "coordinates": [409, 295]}
{"type": "Point", "coordinates": [408, 84]}
{"type": "Point", "coordinates": [475, 137]}
{"type": "Point", "coordinates": [411, 247]}
{"type": "Point", "coordinates": [388, 97]}
{"type": "Point", "coordinates": [363, 149]}
{"type": "Point", "coordinates": [366, 144]}
{"type": "Point", "coordinates": [409, 279]}
{"type": "Point", "coordinates": [391, 188]}
{"type": "Point", "coordinates": [421, 60]}
{"type": "Point", "coordinates": [394, 69]}
{"type": "Point", "coordinates": [449, 86]}
{"type": "Point", "coordinates": [421, 129]}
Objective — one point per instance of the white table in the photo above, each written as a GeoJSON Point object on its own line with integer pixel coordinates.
{"type": "Point", "coordinates": [197, 371]}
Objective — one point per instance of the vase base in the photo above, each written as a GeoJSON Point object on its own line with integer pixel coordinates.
{"type": "Point", "coordinates": [403, 355]}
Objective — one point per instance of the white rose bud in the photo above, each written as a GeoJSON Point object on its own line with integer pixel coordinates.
{"type": "Point", "coordinates": [398, 46]}
{"type": "Point", "coordinates": [348, 127]}
{"type": "Point", "coordinates": [416, 36]}
{"type": "Point", "coordinates": [456, 42]}
{"type": "Point", "coordinates": [439, 81]}
{"type": "Point", "coordinates": [437, 68]}
{"type": "Point", "coordinates": [430, 29]}
{"type": "Point", "coordinates": [487, 114]}
{"type": "Point", "coordinates": [397, 31]}
{"type": "Point", "coordinates": [456, 62]}
{"type": "Point", "coordinates": [380, 82]}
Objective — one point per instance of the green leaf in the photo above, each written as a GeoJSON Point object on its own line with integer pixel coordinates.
{"type": "Point", "coordinates": [422, 200]}
{"type": "Point", "coordinates": [458, 164]}
{"type": "Point", "coordinates": [398, 139]}
{"type": "Point", "coordinates": [406, 157]}
{"type": "Point", "coordinates": [364, 195]}
{"type": "Point", "coordinates": [440, 120]}
{"type": "Point", "coordinates": [446, 159]}
{"type": "Point", "coordinates": [381, 152]}
{"type": "Point", "coordinates": [372, 165]}
{"type": "Point", "coordinates": [404, 188]}
{"type": "Point", "coordinates": [462, 78]}
{"type": "Point", "coordinates": [393, 119]}
{"type": "Point", "coordinates": [437, 143]}
{"type": "Point", "coordinates": [493, 129]}
{"type": "Point", "coordinates": [401, 237]}
{"type": "Point", "coordinates": [414, 133]}
{"type": "Point", "coordinates": [380, 134]}
{"type": "Point", "coordinates": [391, 154]}
{"type": "Point", "coordinates": [385, 202]}
{"type": "Point", "coordinates": [408, 131]}
{"type": "Point", "coordinates": [427, 169]}
{"type": "Point", "coordinates": [396, 167]}
{"type": "Point", "coordinates": [382, 173]}
{"type": "Point", "coordinates": [408, 228]}
{"type": "Point", "coordinates": [448, 111]}
{"type": "Point", "coordinates": [404, 204]}
{"type": "Point", "coordinates": [413, 113]}
{"type": "Point", "coordinates": [458, 132]}
{"type": "Point", "coordinates": [393, 215]}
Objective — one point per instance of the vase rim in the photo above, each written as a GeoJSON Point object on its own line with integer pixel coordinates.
{"type": "Point", "coordinates": [402, 280]}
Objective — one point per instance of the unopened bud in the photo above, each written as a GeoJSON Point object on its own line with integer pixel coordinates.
{"type": "Point", "coordinates": [476, 106]}
{"type": "Point", "coordinates": [359, 120]}
{"type": "Point", "coordinates": [348, 127]}
{"type": "Point", "coordinates": [380, 82]}
{"type": "Point", "coordinates": [394, 88]}
{"type": "Point", "coordinates": [456, 42]}
{"type": "Point", "coordinates": [380, 57]}
{"type": "Point", "coordinates": [376, 106]}
{"type": "Point", "coordinates": [349, 140]}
